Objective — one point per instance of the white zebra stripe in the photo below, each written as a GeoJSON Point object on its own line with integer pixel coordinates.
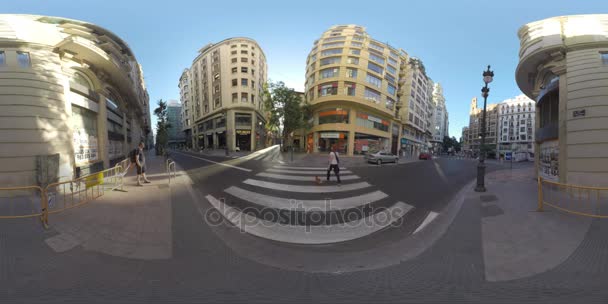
{"type": "Point", "coordinates": [304, 178]}
{"type": "Point", "coordinates": [303, 168]}
{"type": "Point", "coordinates": [307, 189]}
{"type": "Point", "coordinates": [306, 172]}
{"type": "Point", "coordinates": [305, 205]}
{"type": "Point", "coordinates": [323, 234]}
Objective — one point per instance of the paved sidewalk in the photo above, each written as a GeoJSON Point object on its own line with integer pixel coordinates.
{"type": "Point", "coordinates": [133, 223]}
{"type": "Point", "coordinates": [517, 241]}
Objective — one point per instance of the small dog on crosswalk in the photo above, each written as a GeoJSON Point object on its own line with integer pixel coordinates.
{"type": "Point", "coordinates": [318, 181]}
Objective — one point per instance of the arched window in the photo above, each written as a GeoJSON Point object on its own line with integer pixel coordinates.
{"type": "Point", "coordinates": [82, 80]}
{"type": "Point", "coordinates": [113, 99]}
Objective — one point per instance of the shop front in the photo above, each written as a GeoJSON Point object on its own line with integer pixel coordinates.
{"type": "Point", "coordinates": [243, 140]}
{"type": "Point", "coordinates": [242, 134]}
{"type": "Point", "coordinates": [365, 143]}
{"type": "Point", "coordinates": [395, 139]}
{"type": "Point", "coordinates": [85, 141]}
{"type": "Point", "coordinates": [339, 140]}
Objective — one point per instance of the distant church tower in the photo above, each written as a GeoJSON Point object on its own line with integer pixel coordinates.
{"type": "Point", "coordinates": [473, 109]}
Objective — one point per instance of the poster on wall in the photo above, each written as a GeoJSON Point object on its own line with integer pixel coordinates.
{"type": "Point", "coordinates": [548, 160]}
{"type": "Point", "coordinates": [85, 147]}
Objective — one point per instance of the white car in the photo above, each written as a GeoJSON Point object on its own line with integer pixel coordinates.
{"type": "Point", "coordinates": [381, 157]}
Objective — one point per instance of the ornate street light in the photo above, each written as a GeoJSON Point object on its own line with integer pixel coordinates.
{"type": "Point", "coordinates": [481, 167]}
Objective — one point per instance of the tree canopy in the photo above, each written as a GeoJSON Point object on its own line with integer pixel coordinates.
{"type": "Point", "coordinates": [162, 126]}
{"type": "Point", "coordinates": [287, 109]}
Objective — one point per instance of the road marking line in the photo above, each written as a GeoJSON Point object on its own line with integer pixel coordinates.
{"type": "Point", "coordinates": [309, 189]}
{"type": "Point", "coordinates": [323, 234]}
{"type": "Point", "coordinates": [305, 205]}
{"type": "Point", "coordinates": [303, 168]}
{"type": "Point", "coordinates": [214, 162]}
{"type": "Point", "coordinates": [429, 218]}
{"type": "Point", "coordinates": [305, 172]}
{"type": "Point", "coordinates": [260, 157]}
{"type": "Point", "coordinates": [301, 178]}
{"type": "Point", "coordinates": [258, 153]}
{"type": "Point", "coordinates": [270, 156]}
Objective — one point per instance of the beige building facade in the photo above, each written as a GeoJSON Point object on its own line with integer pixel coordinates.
{"type": "Point", "coordinates": [473, 140]}
{"type": "Point", "coordinates": [359, 89]}
{"type": "Point", "coordinates": [73, 99]}
{"type": "Point", "coordinates": [563, 66]}
{"type": "Point", "coordinates": [222, 96]}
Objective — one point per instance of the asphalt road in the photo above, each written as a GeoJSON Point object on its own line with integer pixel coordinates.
{"type": "Point", "coordinates": [428, 186]}
{"type": "Point", "coordinates": [218, 264]}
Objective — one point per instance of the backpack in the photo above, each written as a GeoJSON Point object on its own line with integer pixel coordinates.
{"type": "Point", "coordinates": [133, 155]}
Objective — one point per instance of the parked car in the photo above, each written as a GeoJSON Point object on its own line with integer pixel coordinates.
{"type": "Point", "coordinates": [381, 157]}
{"type": "Point", "coordinates": [426, 156]}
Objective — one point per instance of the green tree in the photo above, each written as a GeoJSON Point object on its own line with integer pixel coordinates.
{"type": "Point", "coordinates": [447, 143]}
{"type": "Point", "coordinates": [456, 144]}
{"type": "Point", "coordinates": [286, 109]}
{"type": "Point", "coordinates": [162, 127]}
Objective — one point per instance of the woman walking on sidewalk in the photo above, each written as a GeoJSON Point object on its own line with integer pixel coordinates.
{"type": "Point", "coordinates": [334, 163]}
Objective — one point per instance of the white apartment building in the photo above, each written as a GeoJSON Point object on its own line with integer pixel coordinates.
{"type": "Point", "coordinates": [516, 118]}
{"type": "Point", "coordinates": [440, 124]}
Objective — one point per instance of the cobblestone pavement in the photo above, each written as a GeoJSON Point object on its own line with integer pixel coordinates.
{"type": "Point", "coordinates": [204, 269]}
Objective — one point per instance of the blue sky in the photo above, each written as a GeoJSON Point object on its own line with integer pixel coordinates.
{"type": "Point", "coordinates": [455, 39]}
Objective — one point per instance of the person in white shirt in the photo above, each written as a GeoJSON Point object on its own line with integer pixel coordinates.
{"type": "Point", "coordinates": [334, 163]}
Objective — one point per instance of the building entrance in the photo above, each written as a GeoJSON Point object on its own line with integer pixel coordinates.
{"type": "Point", "coordinates": [243, 140]}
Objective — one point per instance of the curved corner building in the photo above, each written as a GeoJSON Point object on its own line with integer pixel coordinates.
{"type": "Point", "coordinates": [72, 99]}
{"type": "Point", "coordinates": [360, 89]}
{"type": "Point", "coordinates": [563, 66]}
{"type": "Point", "coordinates": [221, 94]}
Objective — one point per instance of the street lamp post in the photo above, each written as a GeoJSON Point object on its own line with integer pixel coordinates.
{"type": "Point", "coordinates": [481, 167]}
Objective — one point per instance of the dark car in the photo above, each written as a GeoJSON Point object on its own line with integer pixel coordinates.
{"type": "Point", "coordinates": [425, 156]}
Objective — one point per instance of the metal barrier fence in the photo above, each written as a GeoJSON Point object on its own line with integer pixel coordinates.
{"type": "Point", "coordinates": [575, 199]}
{"type": "Point", "coordinates": [69, 194]}
{"type": "Point", "coordinates": [23, 202]}
{"type": "Point", "coordinates": [125, 164]}
{"type": "Point", "coordinates": [170, 165]}
{"type": "Point", "coordinates": [34, 201]}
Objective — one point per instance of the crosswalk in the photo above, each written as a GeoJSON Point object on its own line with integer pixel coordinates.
{"type": "Point", "coordinates": [297, 205]}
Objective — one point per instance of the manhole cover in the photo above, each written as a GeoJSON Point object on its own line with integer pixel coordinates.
{"type": "Point", "coordinates": [491, 210]}
{"type": "Point", "coordinates": [163, 186]}
{"type": "Point", "coordinates": [488, 198]}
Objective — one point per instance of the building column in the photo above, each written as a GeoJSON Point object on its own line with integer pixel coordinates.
{"type": "Point", "coordinates": [125, 146]}
{"type": "Point", "coordinates": [254, 123]}
{"type": "Point", "coordinates": [562, 129]}
{"type": "Point", "coordinates": [230, 131]}
{"type": "Point", "coordinates": [102, 132]}
{"type": "Point", "coordinates": [315, 144]}
{"type": "Point", "coordinates": [351, 143]}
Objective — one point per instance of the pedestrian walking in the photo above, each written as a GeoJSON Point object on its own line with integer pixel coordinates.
{"type": "Point", "coordinates": [140, 162]}
{"type": "Point", "coordinates": [334, 163]}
